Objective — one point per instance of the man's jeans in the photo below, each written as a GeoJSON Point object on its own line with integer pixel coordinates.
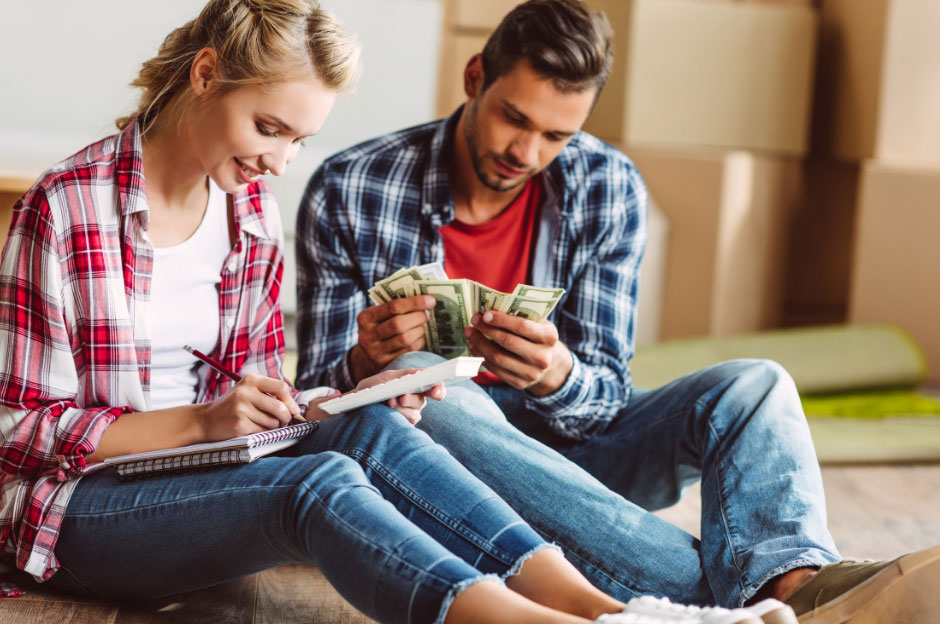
{"type": "Point", "coordinates": [737, 426]}
{"type": "Point", "coordinates": [392, 520]}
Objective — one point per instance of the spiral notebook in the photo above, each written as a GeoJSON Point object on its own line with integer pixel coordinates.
{"type": "Point", "coordinates": [242, 449]}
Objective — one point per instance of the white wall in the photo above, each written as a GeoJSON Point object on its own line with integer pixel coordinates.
{"type": "Point", "coordinates": [65, 68]}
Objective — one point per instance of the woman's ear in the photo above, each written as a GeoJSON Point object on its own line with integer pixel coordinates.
{"type": "Point", "coordinates": [203, 71]}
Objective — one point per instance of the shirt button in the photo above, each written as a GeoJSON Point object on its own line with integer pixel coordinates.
{"type": "Point", "coordinates": [232, 265]}
{"type": "Point", "coordinates": [230, 323]}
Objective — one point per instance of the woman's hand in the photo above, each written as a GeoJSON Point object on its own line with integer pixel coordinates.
{"type": "Point", "coordinates": [408, 405]}
{"type": "Point", "coordinates": [256, 403]}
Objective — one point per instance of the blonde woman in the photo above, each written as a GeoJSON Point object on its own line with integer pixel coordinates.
{"type": "Point", "coordinates": [163, 235]}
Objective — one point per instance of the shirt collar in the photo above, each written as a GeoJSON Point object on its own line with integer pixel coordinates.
{"type": "Point", "coordinates": [129, 169]}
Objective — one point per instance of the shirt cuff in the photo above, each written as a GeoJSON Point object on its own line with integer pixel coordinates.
{"type": "Point", "coordinates": [306, 396]}
{"type": "Point", "coordinates": [571, 393]}
{"type": "Point", "coordinates": [344, 372]}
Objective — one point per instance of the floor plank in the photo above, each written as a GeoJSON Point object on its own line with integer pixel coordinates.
{"type": "Point", "coordinates": [299, 593]}
{"type": "Point", "coordinates": [19, 611]}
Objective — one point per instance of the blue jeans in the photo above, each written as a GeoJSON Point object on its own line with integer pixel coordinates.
{"type": "Point", "coordinates": [738, 427]}
{"type": "Point", "coordinates": [393, 521]}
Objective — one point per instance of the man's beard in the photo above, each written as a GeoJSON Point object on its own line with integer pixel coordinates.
{"type": "Point", "coordinates": [472, 136]}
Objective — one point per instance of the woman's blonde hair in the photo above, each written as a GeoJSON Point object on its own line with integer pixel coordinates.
{"type": "Point", "coordinates": [257, 42]}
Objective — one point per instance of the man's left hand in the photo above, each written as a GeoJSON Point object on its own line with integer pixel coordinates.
{"type": "Point", "coordinates": [525, 354]}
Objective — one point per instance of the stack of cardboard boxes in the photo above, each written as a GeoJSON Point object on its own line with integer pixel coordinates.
{"type": "Point", "coordinates": [878, 111]}
{"type": "Point", "coordinates": [793, 146]}
{"type": "Point", "coordinates": [711, 99]}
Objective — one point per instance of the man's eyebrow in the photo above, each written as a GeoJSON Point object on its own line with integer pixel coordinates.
{"type": "Point", "coordinates": [525, 118]}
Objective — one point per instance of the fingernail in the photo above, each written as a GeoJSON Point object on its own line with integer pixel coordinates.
{"type": "Point", "coordinates": [467, 332]}
{"type": "Point", "coordinates": [487, 317]}
{"type": "Point", "coordinates": [430, 301]}
{"type": "Point", "coordinates": [475, 320]}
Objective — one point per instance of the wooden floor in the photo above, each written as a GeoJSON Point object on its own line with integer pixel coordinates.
{"type": "Point", "coordinates": [874, 512]}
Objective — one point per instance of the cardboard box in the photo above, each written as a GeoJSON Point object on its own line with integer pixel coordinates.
{"type": "Point", "coordinates": [12, 188]}
{"type": "Point", "coordinates": [878, 92]}
{"type": "Point", "coordinates": [482, 15]}
{"type": "Point", "coordinates": [896, 276]}
{"type": "Point", "coordinates": [729, 215]}
{"type": "Point", "coordinates": [819, 261]}
{"type": "Point", "coordinates": [717, 74]}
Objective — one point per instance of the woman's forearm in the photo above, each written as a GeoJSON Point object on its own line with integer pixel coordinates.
{"type": "Point", "coordinates": [151, 431]}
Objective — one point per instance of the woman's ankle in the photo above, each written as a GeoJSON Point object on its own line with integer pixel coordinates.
{"type": "Point", "coordinates": [489, 601]}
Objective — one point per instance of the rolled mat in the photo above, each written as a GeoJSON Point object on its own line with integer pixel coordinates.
{"type": "Point", "coordinates": [821, 360]}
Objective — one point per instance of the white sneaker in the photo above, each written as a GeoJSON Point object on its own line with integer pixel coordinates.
{"type": "Point", "coordinates": [630, 618]}
{"type": "Point", "coordinates": [660, 609]}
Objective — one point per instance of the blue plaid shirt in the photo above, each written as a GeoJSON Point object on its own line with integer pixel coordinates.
{"type": "Point", "coordinates": [377, 207]}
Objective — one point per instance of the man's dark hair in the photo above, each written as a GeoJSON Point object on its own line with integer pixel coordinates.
{"type": "Point", "coordinates": [564, 41]}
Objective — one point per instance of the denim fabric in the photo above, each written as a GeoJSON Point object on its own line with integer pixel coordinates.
{"type": "Point", "coordinates": [392, 520]}
{"type": "Point", "coordinates": [738, 427]}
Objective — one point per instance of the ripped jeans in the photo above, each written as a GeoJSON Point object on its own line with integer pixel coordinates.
{"type": "Point", "coordinates": [394, 522]}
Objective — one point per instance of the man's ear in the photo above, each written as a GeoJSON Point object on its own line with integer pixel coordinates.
{"type": "Point", "coordinates": [473, 76]}
{"type": "Point", "coordinates": [203, 70]}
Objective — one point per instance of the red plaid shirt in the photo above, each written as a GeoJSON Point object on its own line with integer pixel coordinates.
{"type": "Point", "coordinates": [74, 327]}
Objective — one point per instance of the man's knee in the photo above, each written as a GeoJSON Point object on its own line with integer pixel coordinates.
{"type": "Point", "coordinates": [414, 359]}
{"type": "Point", "coordinates": [754, 373]}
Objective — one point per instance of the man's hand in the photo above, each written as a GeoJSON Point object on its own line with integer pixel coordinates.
{"type": "Point", "coordinates": [387, 331]}
{"type": "Point", "coordinates": [524, 354]}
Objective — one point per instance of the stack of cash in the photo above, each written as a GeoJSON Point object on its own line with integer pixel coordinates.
{"type": "Point", "coordinates": [458, 300]}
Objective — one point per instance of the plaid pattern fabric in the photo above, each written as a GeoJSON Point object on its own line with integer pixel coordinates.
{"type": "Point", "coordinates": [74, 327]}
{"type": "Point", "coordinates": [377, 207]}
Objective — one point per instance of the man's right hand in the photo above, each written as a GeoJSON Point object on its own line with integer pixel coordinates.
{"type": "Point", "coordinates": [387, 331]}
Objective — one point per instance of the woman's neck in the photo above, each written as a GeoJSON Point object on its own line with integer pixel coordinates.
{"type": "Point", "coordinates": [176, 180]}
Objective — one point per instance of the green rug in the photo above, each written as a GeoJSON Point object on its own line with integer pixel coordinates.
{"type": "Point", "coordinates": [857, 384]}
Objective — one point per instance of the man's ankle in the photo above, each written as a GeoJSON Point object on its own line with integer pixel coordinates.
{"type": "Point", "coordinates": [782, 587]}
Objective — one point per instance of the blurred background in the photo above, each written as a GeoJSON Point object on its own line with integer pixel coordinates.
{"type": "Point", "coordinates": [791, 147]}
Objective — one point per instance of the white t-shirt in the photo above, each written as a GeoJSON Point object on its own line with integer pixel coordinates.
{"type": "Point", "coordinates": [184, 303]}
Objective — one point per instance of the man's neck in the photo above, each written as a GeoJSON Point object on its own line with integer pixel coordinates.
{"type": "Point", "coordinates": [474, 202]}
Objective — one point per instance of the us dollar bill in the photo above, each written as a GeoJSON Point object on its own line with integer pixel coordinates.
{"type": "Point", "coordinates": [448, 318]}
{"type": "Point", "coordinates": [531, 302]}
{"type": "Point", "coordinates": [457, 300]}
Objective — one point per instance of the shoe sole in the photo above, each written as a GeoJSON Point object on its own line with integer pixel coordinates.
{"type": "Point", "coordinates": [903, 593]}
{"type": "Point", "coordinates": [772, 611]}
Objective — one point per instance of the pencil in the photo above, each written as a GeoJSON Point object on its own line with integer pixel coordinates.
{"type": "Point", "coordinates": [213, 363]}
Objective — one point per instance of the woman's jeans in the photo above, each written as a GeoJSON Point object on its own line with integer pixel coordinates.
{"type": "Point", "coordinates": [738, 427]}
{"type": "Point", "coordinates": [393, 521]}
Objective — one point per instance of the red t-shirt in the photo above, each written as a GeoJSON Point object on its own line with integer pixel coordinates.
{"type": "Point", "coordinates": [496, 253]}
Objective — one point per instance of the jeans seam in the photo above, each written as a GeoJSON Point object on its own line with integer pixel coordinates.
{"type": "Point", "coordinates": [723, 507]}
{"type": "Point", "coordinates": [456, 526]}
